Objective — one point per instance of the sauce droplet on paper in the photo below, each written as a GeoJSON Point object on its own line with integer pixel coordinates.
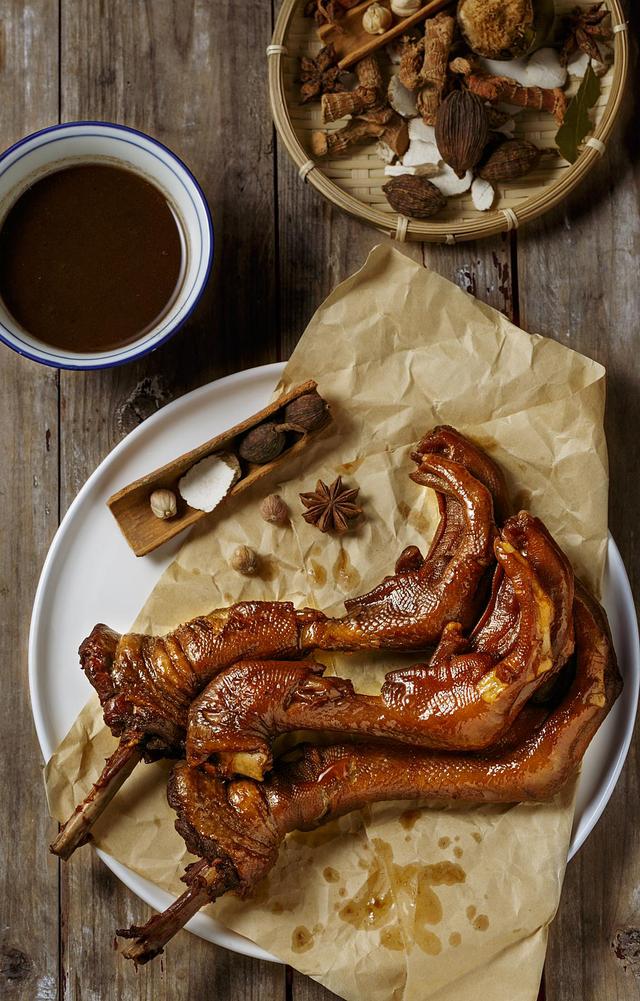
{"type": "Point", "coordinates": [301, 939]}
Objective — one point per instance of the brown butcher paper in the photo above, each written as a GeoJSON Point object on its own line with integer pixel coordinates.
{"type": "Point", "coordinates": [395, 903]}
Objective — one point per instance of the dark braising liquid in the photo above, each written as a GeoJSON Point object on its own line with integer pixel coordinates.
{"type": "Point", "coordinates": [90, 257]}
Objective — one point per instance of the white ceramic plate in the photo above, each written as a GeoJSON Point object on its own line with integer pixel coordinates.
{"type": "Point", "coordinates": [91, 575]}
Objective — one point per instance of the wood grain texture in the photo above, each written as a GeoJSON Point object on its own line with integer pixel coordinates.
{"type": "Point", "coordinates": [193, 74]}
{"type": "Point", "coordinates": [29, 498]}
{"type": "Point", "coordinates": [578, 284]}
{"type": "Point", "coordinates": [180, 70]}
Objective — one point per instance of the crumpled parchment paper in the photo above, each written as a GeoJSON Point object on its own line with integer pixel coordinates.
{"type": "Point", "coordinates": [395, 903]}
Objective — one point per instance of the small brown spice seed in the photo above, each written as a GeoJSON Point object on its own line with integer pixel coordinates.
{"type": "Point", "coordinates": [274, 510]}
{"type": "Point", "coordinates": [262, 444]}
{"type": "Point", "coordinates": [307, 413]}
{"type": "Point", "coordinates": [245, 561]}
{"type": "Point", "coordinates": [415, 196]}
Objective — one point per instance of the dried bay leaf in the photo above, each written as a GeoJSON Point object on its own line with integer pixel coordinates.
{"type": "Point", "coordinates": [577, 123]}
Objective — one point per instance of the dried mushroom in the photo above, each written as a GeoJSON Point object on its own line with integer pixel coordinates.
{"type": "Point", "coordinates": [505, 29]}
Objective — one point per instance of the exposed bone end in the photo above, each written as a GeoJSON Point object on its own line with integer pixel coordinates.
{"type": "Point", "coordinates": [117, 769]}
{"type": "Point", "coordinates": [490, 688]}
{"type": "Point", "coordinates": [252, 764]}
{"type": "Point", "coordinates": [207, 882]}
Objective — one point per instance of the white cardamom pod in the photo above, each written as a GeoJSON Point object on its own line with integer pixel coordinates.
{"type": "Point", "coordinates": [376, 19]}
{"type": "Point", "coordinates": [404, 8]}
{"type": "Point", "coordinates": [163, 504]}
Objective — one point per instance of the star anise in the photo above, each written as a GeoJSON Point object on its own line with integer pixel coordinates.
{"type": "Point", "coordinates": [332, 507]}
{"type": "Point", "coordinates": [327, 11]}
{"type": "Point", "coordinates": [321, 75]}
{"type": "Point", "coordinates": [586, 31]}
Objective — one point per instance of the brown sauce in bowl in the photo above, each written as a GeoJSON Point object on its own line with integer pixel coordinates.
{"type": "Point", "coordinates": [90, 257]}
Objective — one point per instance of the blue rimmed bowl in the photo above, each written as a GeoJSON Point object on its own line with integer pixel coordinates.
{"type": "Point", "coordinates": [90, 142]}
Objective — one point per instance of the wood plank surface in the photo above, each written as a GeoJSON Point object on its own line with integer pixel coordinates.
{"type": "Point", "coordinates": [179, 70]}
{"type": "Point", "coordinates": [578, 283]}
{"type": "Point", "coordinates": [193, 74]}
{"type": "Point", "coordinates": [29, 500]}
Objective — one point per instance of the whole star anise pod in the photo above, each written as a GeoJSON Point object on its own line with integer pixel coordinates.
{"type": "Point", "coordinates": [327, 11]}
{"type": "Point", "coordinates": [586, 31]}
{"type": "Point", "coordinates": [321, 75]}
{"type": "Point", "coordinates": [332, 507]}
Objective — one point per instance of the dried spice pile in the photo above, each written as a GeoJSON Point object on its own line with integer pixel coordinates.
{"type": "Point", "coordinates": [441, 107]}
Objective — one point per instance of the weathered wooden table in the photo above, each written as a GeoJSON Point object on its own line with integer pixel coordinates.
{"type": "Point", "coordinates": [193, 73]}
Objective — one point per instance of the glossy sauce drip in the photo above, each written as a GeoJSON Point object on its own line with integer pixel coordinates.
{"type": "Point", "coordinates": [90, 257]}
{"type": "Point", "coordinates": [317, 573]}
{"type": "Point", "coordinates": [344, 573]}
{"type": "Point", "coordinates": [408, 889]}
{"type": "Point", "coordinates": [301, 939]}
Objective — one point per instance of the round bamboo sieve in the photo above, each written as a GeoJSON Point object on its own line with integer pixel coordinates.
{"type": "Point", "coordinates": [354, 182]}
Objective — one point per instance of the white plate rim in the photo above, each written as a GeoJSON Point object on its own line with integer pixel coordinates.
{"type": "Point", "coordinates": [203, 925]}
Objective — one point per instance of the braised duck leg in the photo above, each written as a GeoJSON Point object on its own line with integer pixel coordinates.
{"type": "Point", "coordinates": [147, 683]}
{"type": "Point", "coordinates": [237, 828]}
{"type": "Point", "coordinates": [464, 699]}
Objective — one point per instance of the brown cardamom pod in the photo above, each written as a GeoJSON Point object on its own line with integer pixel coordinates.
{"type": "Point", "coordinates": [512, 159]}
{"type": "Point", "coordinates": [462, 130]}
{"type": "Point", "coordinates": [415, 196]}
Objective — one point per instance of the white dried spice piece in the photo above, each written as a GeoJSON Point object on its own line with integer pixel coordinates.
{"type": "Point", "coordinates": [507, 128]}
{"type": "Point", "coordinates": [401, 98]}
{"type": "Point", "coordinates": [424, 170]}
{"type": "Point", "coordinates": [394, 51]}
{"type": "Point", "coordinates": [209, 481]}
{"type": "Point", "coordinates": [421, 131]}
{"type": "Point", "coordinates": [515, 69]}
{"type": "Point", "coordinates": [420, 153]}
{"type": "Point", "coordinates": [376, 19]}
{"type": "Point", "coordinates": [578, 64]}
{"type": "Point", "coordinates": [482, 194]}
{"type": "Point", "coordinates": [545, 70]}
{"type": "Point", "coordinates": [384, 152]}
{"type": "Point", "coordinates": [163, 504]}
{"type": "Point", "coordinates": [448, 182]}
{"type": "Point", "coordinates": [405, 8]}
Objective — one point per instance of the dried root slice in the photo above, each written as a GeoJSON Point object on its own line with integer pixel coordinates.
{"type": "Point", "coordinates": [482, 194]}
{"type": "Point", "coordinates": [401, 98]}
{"type": "Point", "coordinates": [420, 153]}
{"type": "Point", "coordinates": [433, 76]}
{"type": "Point", "coordinates": [497, 89]}
{"type": "Point", "coordinates": [411, 60]}
{"type": "Point", "coordinates": [336, 143]}
{"type": "Point", "coordinates": [448, 182]}
{"type": "Point", "coordinates": [396, 135]}
{"type": "Point", "coordinates": [421, 131]}
{"type": "Point", "coordinates": [424, 170]}
{"type": "Point", "coordinates": [545, 70]}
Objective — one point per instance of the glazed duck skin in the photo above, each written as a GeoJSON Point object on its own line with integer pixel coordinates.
{"type": "Point", "coordinates": [146, 684]}
{"type": "Point", "coordinates": [409, 610]}
{"type": "Point", "coordinates": [237, 828]}
{"type": "Point", "coordinates": [464, 699]}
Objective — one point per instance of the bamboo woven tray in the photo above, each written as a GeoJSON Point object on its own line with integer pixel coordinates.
{"type": "Point", "coordinates": [354, 182]}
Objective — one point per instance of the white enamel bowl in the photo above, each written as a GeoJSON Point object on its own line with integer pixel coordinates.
{"type": "Point", "coordinates": [84, 142]}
